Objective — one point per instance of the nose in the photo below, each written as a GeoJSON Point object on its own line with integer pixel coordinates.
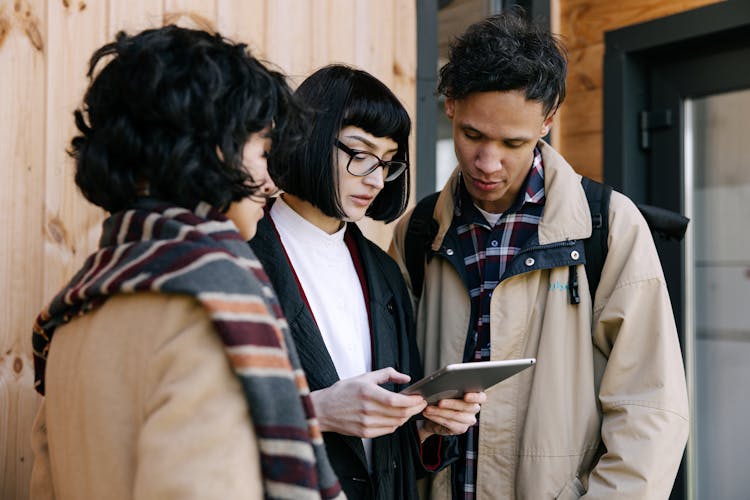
{"type": "Point", "coordinates": [264, 183]}
{"type": "Point", "coordinates": [489, 158]}
{"type": "Point", "coordinates": [375, 178]}
{"type": "Point", "coordinates": [267, 186]}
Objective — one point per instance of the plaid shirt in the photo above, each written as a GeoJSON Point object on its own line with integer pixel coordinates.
{"type": "Point", "coordinates": [487, 252]}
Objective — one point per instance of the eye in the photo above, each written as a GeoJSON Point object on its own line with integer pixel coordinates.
{"type": "Point", "coordinates": [472, 134]}
{"type": "Point", "coordinates": [359, 155]}
{"type": "Point", "coordinates": [514, 144]}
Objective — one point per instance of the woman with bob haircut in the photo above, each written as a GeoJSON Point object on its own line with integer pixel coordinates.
{"type": "Point", "coordinates": [347, 305]}
{"type": "Point", "coordinates": [166, 364]}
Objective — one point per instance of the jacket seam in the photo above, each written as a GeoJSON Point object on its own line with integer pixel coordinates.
{"type": "Point", "coordinates": [645, 404]}
{"type": "Point", "coordinates": [628, 283]}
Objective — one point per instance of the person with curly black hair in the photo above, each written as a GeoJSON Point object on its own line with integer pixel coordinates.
{"type": "Point", "coordinates": [348, 307]}
{"type": "Point", "coordinates": [166, 365]}
{"type": "Point", "coordinates": [603, 413]}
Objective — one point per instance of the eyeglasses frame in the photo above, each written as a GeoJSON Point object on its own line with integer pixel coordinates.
{"type": "Point", "coordinates": [403, 164]}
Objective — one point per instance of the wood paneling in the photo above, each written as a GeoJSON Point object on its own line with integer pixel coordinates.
{"type": "Point", "coordinates": [22, 25]}
{"type": "Point", "coordinates": [586, 156]}
{"type": "Point", "coordinates": [585, 21]}
{"type": "Point", "coordinates": [582, 24]}
{"type": "Point", "coordinates": [48, 226]}
{"type": "Point", "coordinates": [582, 112]}
{"type": "Point", "coordinates": [244, 21]}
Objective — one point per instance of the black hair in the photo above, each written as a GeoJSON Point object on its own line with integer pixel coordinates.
{"type": "Point", "coordinates": [339, 96]}
{"type": "Point", "coordinates": [505, 52]}
{"type": "Point", "coordinates": [172, 110]}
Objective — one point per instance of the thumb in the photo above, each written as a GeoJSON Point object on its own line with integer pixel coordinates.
{"type": "Point", "coordinates": [389, 375]}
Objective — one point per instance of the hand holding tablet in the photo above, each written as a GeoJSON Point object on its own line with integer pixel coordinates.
{"type": "Point", "coordinates": [453, 381]}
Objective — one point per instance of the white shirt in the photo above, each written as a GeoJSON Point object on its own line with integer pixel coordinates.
{"type": "Point", "coordinates": [327, 274]}
{"type": "Point", "coordinates": [489, 217]}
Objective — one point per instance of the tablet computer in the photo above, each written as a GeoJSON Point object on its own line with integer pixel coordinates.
{"type": "Point", "coordinates": [452, 381]}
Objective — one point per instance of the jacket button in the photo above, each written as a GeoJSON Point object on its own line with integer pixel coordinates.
{"type": "Point", "coordinates": [449, 251]}
{"type": "Point", "coordinates": [390, 306]}
{"type": "Point", "coordinates": [574, 255]}
{"type": "Point", "coordinates": [530, 262]}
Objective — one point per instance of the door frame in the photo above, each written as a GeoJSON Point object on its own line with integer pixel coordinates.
{"type": "Point", "coordinates": [636, 57]}
{"type": "Point", "coordinates": [628, 53]}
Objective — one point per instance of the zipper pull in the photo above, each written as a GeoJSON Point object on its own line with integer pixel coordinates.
{"type": "Point", "coordinates": [575, 299]}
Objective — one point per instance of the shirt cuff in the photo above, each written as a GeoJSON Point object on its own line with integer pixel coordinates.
{"type": "Point", "coordinates": [429, 452]}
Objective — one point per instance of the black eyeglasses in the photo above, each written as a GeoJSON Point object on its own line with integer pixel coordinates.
{"type": "Point", "coordinates": [363, 163]}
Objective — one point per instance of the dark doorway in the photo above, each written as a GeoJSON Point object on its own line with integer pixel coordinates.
{"type": "Point", "coordinates": [676, 99]}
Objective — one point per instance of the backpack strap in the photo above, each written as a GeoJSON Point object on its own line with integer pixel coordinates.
{"type": "Point", "coordinates": [597, 195]}
{"type": "Point", "coordinates": [420, 232]}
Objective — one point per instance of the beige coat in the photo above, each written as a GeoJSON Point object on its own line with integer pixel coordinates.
{"type": "Point", "coordinates": [621, 385]}
{"type": "Point", "coordinates": [141, 403]}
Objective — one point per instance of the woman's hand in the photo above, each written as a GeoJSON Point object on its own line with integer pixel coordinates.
{"type": "Point", "coordinates": [358, 406]}
{"type": "Point", "coordinates": [451, 416]}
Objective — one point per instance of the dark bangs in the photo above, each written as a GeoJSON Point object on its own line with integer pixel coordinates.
{"type": "Point", "coordinates": [374, 108]}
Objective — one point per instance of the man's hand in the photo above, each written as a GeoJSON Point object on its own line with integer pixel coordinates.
{"type": "Point", "coordinates": [358, 406]}
{"type": "Point", "coordinates": [451, 416]}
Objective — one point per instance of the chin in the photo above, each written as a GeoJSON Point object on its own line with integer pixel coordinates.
{"type": "Point", "coordinates": [354, 214]}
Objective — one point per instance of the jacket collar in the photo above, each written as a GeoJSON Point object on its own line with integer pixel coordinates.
{"type": "Point", "coordinates": [311, 348]}
{"type": "Point", "coordinates": [566, 212]}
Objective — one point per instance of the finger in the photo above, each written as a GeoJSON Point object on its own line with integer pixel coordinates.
{"type": "Point", "coordinates": [475, 397]}
{"type": "Point", "coordinates": [448, 427]}
{"type": "Point", "coordinates": [397, 405]}
{"type": "Point", "coordinates": [457, 422]}
{"type": "Point", "coordinates": [446, 415]}
{"type": "Point", "coordinates": [388, 374]}
{"type": "Point", "coordinates": [393, 399]}
{"type": "Point", "coordinates": [458, 405]}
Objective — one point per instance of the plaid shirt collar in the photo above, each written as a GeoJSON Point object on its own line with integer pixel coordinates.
{"type": "Point", "coordinates": [531, 193]}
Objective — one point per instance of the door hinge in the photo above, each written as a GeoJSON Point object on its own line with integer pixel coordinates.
{"type": "Point", "coordinates": [653, 120]}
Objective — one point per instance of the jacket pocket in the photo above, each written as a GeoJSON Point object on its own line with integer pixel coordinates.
{"type": "Point", "coordinates": [573, 490]}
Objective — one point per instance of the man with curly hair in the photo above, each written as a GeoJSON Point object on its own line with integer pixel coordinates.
{"type": "Point", "coordinates": [604, 412]}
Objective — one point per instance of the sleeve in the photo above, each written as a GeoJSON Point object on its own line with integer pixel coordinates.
{"type": "Point", "coordinates": [438, 452]}
{"type": "Point", "coordinates": [197, 439]}
{"type": "Point", "coordinates": [41, 487]}
{"type": "Point", "coordinates": [643, 392]}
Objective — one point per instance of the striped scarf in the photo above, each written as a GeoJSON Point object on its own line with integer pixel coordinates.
{"type": "Point", "coordinates": [167, 249]}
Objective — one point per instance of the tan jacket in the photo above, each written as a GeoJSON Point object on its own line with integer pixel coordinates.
{"type": "Point", "coordinates": [141, 403]}
{"type": "Point", "coordinates": [620, 386]}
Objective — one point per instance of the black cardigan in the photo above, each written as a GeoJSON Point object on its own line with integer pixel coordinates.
{"type": "Point", "coordinates": [396, 461]}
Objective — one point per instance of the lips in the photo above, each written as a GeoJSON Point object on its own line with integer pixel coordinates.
{"type": "Point", "coordinates": [362, 200]}
{"type": "Point", "coordinates": [484, 185]}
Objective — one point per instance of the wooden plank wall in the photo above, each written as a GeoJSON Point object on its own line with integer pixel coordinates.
{"type": "Point", "coordinates": [582, 24]}
{"type": "Point", "coordinates": [47, 227]}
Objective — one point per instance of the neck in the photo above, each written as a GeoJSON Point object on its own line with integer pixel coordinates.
{"type": "Point", "coordinates": [312, 214]}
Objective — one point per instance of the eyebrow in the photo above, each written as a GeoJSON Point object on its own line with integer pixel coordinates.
{"type": "Point", "coordinates": [466, 126]}
{"type": "Point", "coordinates": [369, 143]}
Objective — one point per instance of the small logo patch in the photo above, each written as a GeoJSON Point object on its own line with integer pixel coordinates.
{"type": "Point", "coordinates": [558, 286]}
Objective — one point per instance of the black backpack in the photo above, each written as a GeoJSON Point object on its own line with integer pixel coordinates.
{"type": "Point", "coordinates": [422, 229]}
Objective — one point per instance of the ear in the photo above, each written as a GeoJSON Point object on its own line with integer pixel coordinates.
{"type": "Point", "coordinates": [450, 107]}
{"type": "Point", "coordinates": [547, 124]}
